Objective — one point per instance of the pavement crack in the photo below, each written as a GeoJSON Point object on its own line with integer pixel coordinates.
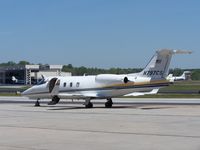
{"type": "Point", "coordinates": [104, 132]}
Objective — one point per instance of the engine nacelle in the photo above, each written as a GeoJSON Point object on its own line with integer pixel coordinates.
{"type": "Point", "coordinates": [111, 78]}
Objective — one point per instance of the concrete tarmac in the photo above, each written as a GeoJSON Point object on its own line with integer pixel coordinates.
{"type": "Point", "coordinates": [140, 124]}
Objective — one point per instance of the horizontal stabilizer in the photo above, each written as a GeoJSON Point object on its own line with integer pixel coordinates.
{"type": "Point", "coordinates": [174, 51]}
{"type": "Point", "coordinates": [182, 52]}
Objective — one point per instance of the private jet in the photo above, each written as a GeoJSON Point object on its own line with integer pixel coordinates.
{"type": "Point", "coordinates": [183, 77]}
{"type": "Point", "coordinates": [106, 86]}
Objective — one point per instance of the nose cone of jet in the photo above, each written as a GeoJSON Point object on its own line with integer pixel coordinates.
{"type": "Point", "coordinates": [26, 92]}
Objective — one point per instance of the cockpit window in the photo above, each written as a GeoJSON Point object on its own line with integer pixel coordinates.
{"type": "Point", "coordinates": [42, 82]}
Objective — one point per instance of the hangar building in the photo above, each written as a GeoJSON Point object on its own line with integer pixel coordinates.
{"type": "Point", "coordinates": [29, 74]}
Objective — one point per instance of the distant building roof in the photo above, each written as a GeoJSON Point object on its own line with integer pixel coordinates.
{"type": "Point", "coordinates": [32, 67]}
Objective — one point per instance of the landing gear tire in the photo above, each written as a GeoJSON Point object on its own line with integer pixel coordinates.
{"type": "Point", "coordinates": [37, 103]}
{"type": "Point", "coordinates": [89, 105]}
{"type": "Point", "coordinates": [109, 103]}
{"type": "Point", "coordinates": [54, 101]}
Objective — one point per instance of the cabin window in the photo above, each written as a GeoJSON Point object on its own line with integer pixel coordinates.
{"type": "Point", "coordinates": [64, 84]}
{"type": "Point", "coordinates": [71, 84]}
{"type": "Point", "coordinates": [77, 84]}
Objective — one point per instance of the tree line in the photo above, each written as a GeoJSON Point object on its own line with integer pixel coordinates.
{"type": "Point", "coordinates": [94, 71]}
{"type": "Point", "coordinates": [79, 71]}
{"type": "Point", "coordinates": [12, 63]}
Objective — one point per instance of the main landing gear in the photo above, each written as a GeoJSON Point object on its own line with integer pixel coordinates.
{"type": "Point", "coordinates": [109, 103]}
{"type": "Point", "coordinates": [88, 104]}
{"type": "Point", "coordinates": [54, 101]}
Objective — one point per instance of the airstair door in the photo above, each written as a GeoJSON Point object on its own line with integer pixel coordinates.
{"type": "Point", "coordinates": [54, 85]}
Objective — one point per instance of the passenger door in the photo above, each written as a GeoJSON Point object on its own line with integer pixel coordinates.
{"type": "Point", "coordinates": [54, 85]}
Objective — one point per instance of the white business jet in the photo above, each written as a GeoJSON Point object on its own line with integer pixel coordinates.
{"type": "Point", "coordinates": [106, 86]}
{"type": "Point", "coordinates": [179, 78]}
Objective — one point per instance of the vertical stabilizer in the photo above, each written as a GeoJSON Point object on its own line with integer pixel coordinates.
{"type": "Point", "coordinates": [158, 67]}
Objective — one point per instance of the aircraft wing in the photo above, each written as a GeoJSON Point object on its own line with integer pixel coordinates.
{"type": "Point", "coordinates": [78, 95]}
{"type": "Point", "coordinates": [154, 91]}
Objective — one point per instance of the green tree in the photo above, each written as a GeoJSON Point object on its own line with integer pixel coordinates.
{"type": "Point", "coordinates": [196, 74]}
{"type": "Point", "coordinates": [23, 62]}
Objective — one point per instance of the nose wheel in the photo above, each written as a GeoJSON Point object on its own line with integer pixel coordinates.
{"type": "Point", "coordinates": [109, 103]}
{"type": "Point", "coordinates": [37, 103]}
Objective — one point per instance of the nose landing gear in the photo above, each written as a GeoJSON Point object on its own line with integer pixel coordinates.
{"type": "Point", "coordinates": [37, 103]}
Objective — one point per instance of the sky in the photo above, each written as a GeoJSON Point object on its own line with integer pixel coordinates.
{"type": "Point", "coordinates": [99, 33]}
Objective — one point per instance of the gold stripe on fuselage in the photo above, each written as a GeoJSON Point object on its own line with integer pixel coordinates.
{"type": "Point", "coordinates": [137, 83]}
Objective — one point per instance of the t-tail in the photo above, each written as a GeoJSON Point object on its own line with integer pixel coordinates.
{"type": "Point", "coordinates": [158, 67]}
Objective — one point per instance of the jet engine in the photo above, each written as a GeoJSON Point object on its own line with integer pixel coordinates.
{"type": "Point", "coordinates": [111, 78]}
